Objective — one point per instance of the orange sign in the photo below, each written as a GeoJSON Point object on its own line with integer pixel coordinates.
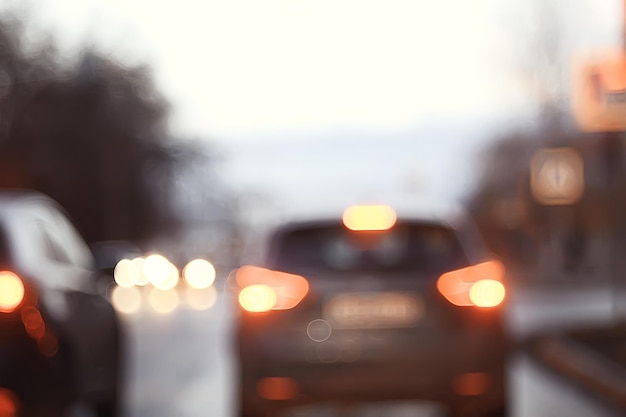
{"type": "Point", "coordinates": [599, 92]}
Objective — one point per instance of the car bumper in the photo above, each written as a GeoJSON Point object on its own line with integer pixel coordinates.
{"type": "Point", "coordinates": [465, 374]}
{"type": "Point", "coordinates": [40, 384]}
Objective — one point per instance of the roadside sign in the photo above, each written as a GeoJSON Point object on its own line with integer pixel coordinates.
{"type": "Point", "coordinates": [599, 92]}
{"type": "Point", "coordinates": [556, 176]}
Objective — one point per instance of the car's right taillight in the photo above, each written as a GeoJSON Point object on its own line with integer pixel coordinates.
{"type": "Point", "coordinates": [12, 292]}
{"type": "Point", "coordinates": [477, 285]}
{"type": "Point", "coordinates": [264, 289]}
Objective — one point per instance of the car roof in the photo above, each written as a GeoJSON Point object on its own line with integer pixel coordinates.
{"type": "Point", "coordinates": [10, 199]}
{"type": "Point", "coordinates": [434, 212]}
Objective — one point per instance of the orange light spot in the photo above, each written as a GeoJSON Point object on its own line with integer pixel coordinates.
{"type": "Point", "coordinates": [487, 293]}
{"type": "Point", "coordinates": [33, 322]}
{"type": "Point", "coordinates": [8, 403]}
{"type": "Point", "coordinates": [257, 298]}
{"type": "Point", "coordinates": [456, 285]}
{"type": "Point", "coordinates": [277, 388]}
{"type": "Point", "coordinates": [612, 71]}
{"type": "Point", "coordinates": [471, 384]}
{"type": "Point", "coordinates": [288, 289]}
{"type": "Point", "coordinates": [11, 292]}
{"type": "Point", "coordinates": [369, 218]}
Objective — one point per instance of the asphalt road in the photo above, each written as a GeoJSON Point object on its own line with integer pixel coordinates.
{"type": "Point", "coordinates": [181, 364]}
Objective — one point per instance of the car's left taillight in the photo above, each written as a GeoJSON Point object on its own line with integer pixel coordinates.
{"type": "Point", "coordinates": [12, 292]}
{"type": "Point", "coordinates": [262, 290]}
{"type": "Point", "coordinates": [20, 310]}
{"type": "Point", "coordinates": [479, 285]}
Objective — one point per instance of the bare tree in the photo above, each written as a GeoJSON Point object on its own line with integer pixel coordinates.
{"type": "Point", "coordinates": [91, 136]}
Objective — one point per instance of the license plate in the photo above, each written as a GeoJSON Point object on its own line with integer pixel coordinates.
{"type": "Point", "coordinates": [374, 310]}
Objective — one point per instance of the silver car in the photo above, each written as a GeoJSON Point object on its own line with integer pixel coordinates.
{"type": "Point", "coordinates": [60, 338]}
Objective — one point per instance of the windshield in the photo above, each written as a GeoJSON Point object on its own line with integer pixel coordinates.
{"type": "Point", "coordinates": [407, 248]}
{"type": "Point", "coordinates": [179, 135]}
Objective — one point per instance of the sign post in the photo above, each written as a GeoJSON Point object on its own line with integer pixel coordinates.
{"type": "Point", "coordinates": [556, 179]}
{"type": "Point", "coordinates": [599, 106]}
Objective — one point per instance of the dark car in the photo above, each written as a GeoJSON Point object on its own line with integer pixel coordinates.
{"type": "Point", "coordinates": [373, 312]}
{"type": "Point", "coordinates": [60, 338]}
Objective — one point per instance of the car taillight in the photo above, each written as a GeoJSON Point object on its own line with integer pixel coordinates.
{"type": "Point", "coordinates": [487, 293]}
{"type": "Point", "coordinates": [12, 292]}
{"type": "Point", "coordinates": [478, 285]}
{"type": "Point", "coordinates": [265, 289]}
{"type": "Point", "coordinates": [257, 298]}
{"type": "Point", "coordinates": [9, 405]}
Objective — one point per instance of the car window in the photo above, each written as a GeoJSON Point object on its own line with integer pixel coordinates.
{"type": "Point", "coordinates": [44, 250]}
{"type": "Point", "coordinates": [413, 248]}
{"type": "Point", "coordinates": [75, 249]}
{"type": "Point", "coordinates": [53, 248]}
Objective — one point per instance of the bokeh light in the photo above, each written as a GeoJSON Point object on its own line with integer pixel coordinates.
{"type": "Point", "coordinates": [141, 278]}
{"type": "Point", "coordinates": [319, 330]}
{"type": "Point", "coordinates": [257, 298]}
{"type": "Point", "coordinates": [33, 322]}
{"type": "Point", "coordinates": [156, 268]}
{"type": "Point", "coordinates": [126, 300]}
{"type": "Point", "coordinates": [8, 403]}
{"type": "Point", "coordinates": [163, 301]}
{"type": "Point", "coordinates": [369, 218]}
{"type": "Point", "coordinates": [487, 293]}
{"type": "Point", "coordinates": [169, 281]}
{"type": "Point", "coordinates": [201, 299]}
{"type": "Point", "coordinates": [11, 291]}
{"type": "Point", "coordinates": [126, 273]}
{"type": "Point", "coordinates": [199, 273]}
{"type": "Point", "coordinates": [288, 289]}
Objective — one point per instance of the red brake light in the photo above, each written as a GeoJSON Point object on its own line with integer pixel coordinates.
{"type": "Point", "coordinates": [12, 292]}
{"type": "Point", "coordinates": [477, 285]}
{"type": "Point", "coordinates": [265, 289]}
{"type": "Point", "coordinates": [9, 405]}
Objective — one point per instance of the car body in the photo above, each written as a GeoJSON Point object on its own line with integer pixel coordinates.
{"type": "Point", "coordinates": [371, 317]}
{"type": "Point", "coordinates": [60, 338]}
{"type": "Point", "coordinates": [109, 252]}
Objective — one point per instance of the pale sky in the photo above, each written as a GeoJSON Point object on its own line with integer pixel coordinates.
{"type": "Point", "coordinates": [237, 71]}
{"type": "Point", "coordinates": [238, 67]}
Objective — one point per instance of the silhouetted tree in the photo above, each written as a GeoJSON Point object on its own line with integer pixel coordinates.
{"type": "Point", "coordinates": [91, 136]}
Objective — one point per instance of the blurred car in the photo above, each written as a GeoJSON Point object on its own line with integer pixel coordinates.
{"type": "Point", "coordinates": [109, 252]}
{"type": "Point", "coordinates": [397, 312]}
{"type": "Point", "coordinates": [60, 337]}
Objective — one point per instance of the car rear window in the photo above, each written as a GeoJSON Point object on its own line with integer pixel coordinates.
{"type": "Point", "coordinates": [408, 247]}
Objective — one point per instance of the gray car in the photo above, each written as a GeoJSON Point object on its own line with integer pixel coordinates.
{"type": "Point", "coordinates": [378, 314]}
{"type": "Point", "coordinates": [60, 338]}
